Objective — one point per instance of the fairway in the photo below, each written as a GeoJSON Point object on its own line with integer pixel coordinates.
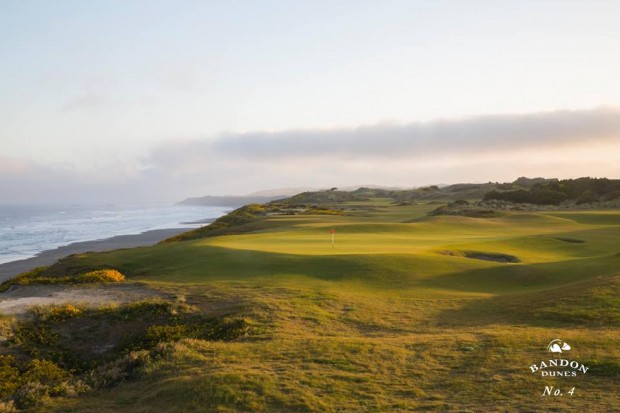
{"type": "Point", "coordinates": [412, 250]}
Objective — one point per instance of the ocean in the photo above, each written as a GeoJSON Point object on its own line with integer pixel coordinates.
{"type": "Point", "coordinates": [26, 230]}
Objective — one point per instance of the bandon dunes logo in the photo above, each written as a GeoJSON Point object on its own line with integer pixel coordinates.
{"type": "Point", "coordinates": [559, 367]}
{"type": "Point", "coordinates": [558, 346]}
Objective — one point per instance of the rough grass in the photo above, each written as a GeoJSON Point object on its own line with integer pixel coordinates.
{"type": "Point", "coordinates": [57, 333]}
{"type": "Point", "coordinates": [330, 352]}
{"type": "Point", "coordinates": [58, 351]}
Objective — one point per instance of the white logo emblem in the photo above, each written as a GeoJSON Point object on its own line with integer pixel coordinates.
{"type": "Point", "coordinates": [558, 366]}
{"type": "Point", "coordinates": [558, 346]}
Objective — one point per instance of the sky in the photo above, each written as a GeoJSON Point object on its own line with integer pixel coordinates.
{"type": "Point", "coordinates": [144, 101]}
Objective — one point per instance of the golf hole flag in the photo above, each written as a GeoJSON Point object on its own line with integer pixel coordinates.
{"type": "Point", "coordinates": [332, 232]}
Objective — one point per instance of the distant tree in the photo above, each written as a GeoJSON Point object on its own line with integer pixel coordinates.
{"type": "Point", "coordinates": [538, 196]}
{"type": "Point", "coordinates": [432, 188]}
{"type": "Point", "coordinates": [586, 198]}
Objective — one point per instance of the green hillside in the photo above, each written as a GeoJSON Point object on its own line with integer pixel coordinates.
{"type": "Point", "coordinates": [406, 311]}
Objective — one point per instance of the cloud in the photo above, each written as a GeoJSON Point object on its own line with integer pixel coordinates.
{"type": "Point", "coordinates": [494, 147]}
{"type": "Point", "coordinates": [483, 134]}
{"type": "Point", "coordinates": [26, 181]}
{"type": "Point", "coordinates": [559, 144]}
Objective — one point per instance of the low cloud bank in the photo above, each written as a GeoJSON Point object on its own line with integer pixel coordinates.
{"type": "Point", "coordinates": [495, 147]}
{"type": "Point", "coordinates": [471, 135]}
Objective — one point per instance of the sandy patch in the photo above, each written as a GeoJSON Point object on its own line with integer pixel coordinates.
{"type": "Point", "coordinates": [20, 298]}
{"type": "Point", "coordinates": [484, 256]}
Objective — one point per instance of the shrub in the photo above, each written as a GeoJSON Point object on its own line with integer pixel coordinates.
{"type": "Point", "coordinates": [31, 395]}
{"type": "Point", "coordinates": [554, 192]}
{"type": "Point", "coordinates": [32, 336]}
{"type": "Point", "coordinates": [60, 312]}
{"type": "Point", "coordinates": [323, 211]}
{"type": "Point", "coordinates": [23, 278]}
{"type": "Point", "coordinates": [45, 372]}
{"type": "Point", "coordinates": [41, 379]}
{"type": "Point", "coordinates": [538, 197]}
{"type": "Point", "coordinates": [100, 276]}
{"type": "Point", "coordinates": [9, 376]}
{"type": "Point", "coordinates": [142, 309]}
{"type": "Point", "coordinates": [56, 359]}
{"type": "Point", "coordinates": [161, 333]}
{"type": "Point", "coordinates": [117, 371]}
{"type": "Point", "coordinates": [586, 198]}
{"type": "Point", "coordinates": [39, 276]}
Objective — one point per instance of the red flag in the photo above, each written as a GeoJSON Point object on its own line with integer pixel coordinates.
{"type": "Point", "coordinates": [332, 231]}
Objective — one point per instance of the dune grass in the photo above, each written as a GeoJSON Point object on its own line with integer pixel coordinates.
{"type": "Point", "coordinates": [399, 316]}
{"type": "Point", "coordinates": [38, 276]}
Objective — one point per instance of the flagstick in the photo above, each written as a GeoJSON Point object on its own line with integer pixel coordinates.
{"type": "Point", "coordinates": [332, 241]}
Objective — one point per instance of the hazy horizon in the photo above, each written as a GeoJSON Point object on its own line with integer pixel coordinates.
{"type": "Point", "coordinates": [109, 101]}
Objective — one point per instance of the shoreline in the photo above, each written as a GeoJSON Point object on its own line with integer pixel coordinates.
{"type": "Point", "coordinates": [48, 257]}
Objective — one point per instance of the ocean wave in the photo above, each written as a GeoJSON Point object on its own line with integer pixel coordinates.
{"type": "Point", "coordinates": [28, 230]}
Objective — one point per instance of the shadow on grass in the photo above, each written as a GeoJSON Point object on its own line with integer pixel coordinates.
{"type": "Point", "coordinates": [520, 278]}
{"type": "Point", "coordinates": [592, 303]}
{"type": "Point", "coordinates": [180, 262]}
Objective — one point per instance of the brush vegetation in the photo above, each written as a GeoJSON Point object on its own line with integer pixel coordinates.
{"type": "Point", "coordinates": [554, 192]}
{"type": "Point", "coordinates": [41, 276]}
{"type": "Point", "coordinates": [409, 311]}
{"type": "Point", "coordinates": [64, 351]}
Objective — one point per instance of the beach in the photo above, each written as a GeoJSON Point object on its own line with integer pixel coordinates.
{"type": "Point", "coordinates": [13, 268]}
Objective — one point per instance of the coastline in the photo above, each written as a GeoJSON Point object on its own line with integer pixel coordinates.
{"type": "Point", "coordinates": [48, 257]}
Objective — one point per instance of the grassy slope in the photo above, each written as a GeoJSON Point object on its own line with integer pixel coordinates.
{"type": "Point", "coordinates": [386, 321]}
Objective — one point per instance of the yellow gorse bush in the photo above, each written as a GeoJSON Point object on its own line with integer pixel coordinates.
{"type": "Point", "coordinates": [37, 276]}
{"type": "Point", "coordinates": [101, 276]}
{"type": "Point", "coordinates": [63, 311]}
